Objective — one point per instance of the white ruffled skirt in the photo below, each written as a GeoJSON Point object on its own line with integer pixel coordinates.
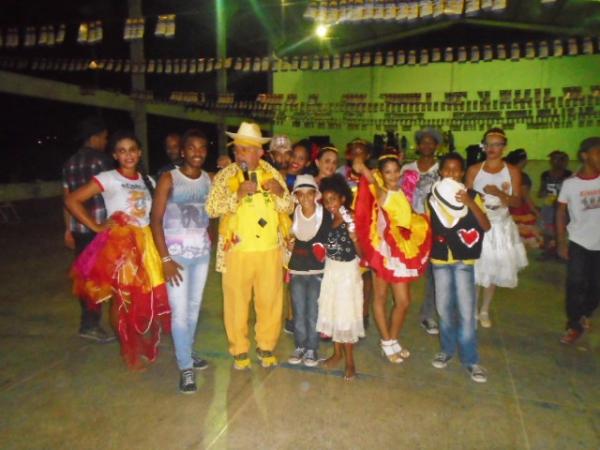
{"type": "Point", "coordinates": [503, 253]}
{"type": "Point", "coordinates": [341, 302]}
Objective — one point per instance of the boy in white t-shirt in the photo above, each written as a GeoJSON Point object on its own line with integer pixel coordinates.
{"type": "Point", "coordinates": [580, 196]}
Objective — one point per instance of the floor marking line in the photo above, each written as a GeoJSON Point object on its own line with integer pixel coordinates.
{"type": "Point", "coordinates": [514, 389]}
{"type": "Point", "coordinates": [40, 372]}
{"type": "Point", "coordinates": [235, 414]}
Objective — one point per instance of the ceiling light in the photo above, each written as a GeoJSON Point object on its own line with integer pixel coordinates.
{"type": "Point", "coordinates": [321, 31]}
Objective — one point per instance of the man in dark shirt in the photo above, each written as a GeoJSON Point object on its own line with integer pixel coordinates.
{"type": "Point", "coordinates": [550, 184]}
{"type": "Point", "coordinates": [78, 170]}
{"type": "Point", "coordinates": [173, 151]}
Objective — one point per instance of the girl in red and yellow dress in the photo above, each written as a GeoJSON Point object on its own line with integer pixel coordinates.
{"type": "Point", "coordinates": [122, 264]}
{"type": "Point", "coordinates": [395, 243]}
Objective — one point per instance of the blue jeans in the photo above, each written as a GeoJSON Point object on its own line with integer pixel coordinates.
{"type": "Point", "coordinates": [305, 300]}
{"type": "Point", "coordinates": [427, 311]}
{"type": "Point", "coordinates": [185, 301]}
{"type": "Point", "coordinates": [456, 305]}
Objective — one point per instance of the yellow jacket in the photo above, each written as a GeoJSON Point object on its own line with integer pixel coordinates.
{"type": "Point", "coordinates": [259, 222]}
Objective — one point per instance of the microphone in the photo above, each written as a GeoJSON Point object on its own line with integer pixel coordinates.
{"type": "Point", "coordinates": [244, 167]}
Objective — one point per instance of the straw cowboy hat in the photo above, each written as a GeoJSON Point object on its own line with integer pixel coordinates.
{"type": "Point", "coordinates": [248, 134]}
{"type": "Point", "coordinates": [443, 200]}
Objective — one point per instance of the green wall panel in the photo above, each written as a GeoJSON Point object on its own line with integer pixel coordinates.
{"type": "Point", "coordinates": [439, 78]}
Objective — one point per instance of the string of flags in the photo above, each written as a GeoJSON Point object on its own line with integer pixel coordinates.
{"type": "Point", "coordinates": [192, 66]}
{"type": "Point", "coordinates": [322, 11]}
{"type": "Point", "coordinates": [339, 11]}
{"type": "Point", "coordinates": [89, 32]}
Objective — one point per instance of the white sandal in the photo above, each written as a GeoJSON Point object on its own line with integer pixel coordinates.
{"type": "Point", "coordinates": [403, 352]}
{"type": "Point", "coordinates": [388, 349]}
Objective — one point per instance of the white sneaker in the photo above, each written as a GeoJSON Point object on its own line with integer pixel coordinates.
{"type": "Point", "coordinates": [296, 357]}
{"type": "Point", "coordinates": [310, 358]}
{"type": "Point", "coordinates": [477, 373]}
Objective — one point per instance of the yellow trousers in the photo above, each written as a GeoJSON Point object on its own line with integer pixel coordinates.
{"type": "Point", "coordinates": [261, 272]}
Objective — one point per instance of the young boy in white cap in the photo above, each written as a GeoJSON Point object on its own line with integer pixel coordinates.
{"type": "Point", "coordinates": [458, 225]}
{"type": "Point", "coordinates": [306, 266]}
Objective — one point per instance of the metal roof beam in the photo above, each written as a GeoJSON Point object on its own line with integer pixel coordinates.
{"type": "Point", "coordinates": [28, 86]}
{"type": "Point", "coordinates": [397, 36]}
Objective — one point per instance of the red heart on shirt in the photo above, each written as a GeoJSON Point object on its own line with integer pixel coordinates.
{"type": "Point", "coordinates": [469, 237]}
{"type": "Point", "coordinates": [319, 251]}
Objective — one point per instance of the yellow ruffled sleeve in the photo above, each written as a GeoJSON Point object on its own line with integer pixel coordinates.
{"type": "Point", "coordinates": [398, 208]}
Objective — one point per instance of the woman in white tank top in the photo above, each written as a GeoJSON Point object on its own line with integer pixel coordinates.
{"type": "Point", "coordinates": [503, 253]}
{"type": "Point", "coordinates": [179, 224]}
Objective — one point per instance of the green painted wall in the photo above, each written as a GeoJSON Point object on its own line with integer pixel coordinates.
{"type": "Point", "coordinates": [438, 78]}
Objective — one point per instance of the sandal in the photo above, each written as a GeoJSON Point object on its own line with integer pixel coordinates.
{"type": "Point", "coordinates": [388, 349]}
{"type": "Point", "coordinates": [403, 352]}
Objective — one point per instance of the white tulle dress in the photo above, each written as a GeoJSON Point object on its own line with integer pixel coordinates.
{"type": "Point", "coordinates": [341, 296]}
{"type": "Point", "coordinates": [503, 254]}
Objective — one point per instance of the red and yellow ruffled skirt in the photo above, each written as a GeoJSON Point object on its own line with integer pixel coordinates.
{"type": "Point", "coordinates": [395, 241]}
{"type": "Point", "coordinates": [122, 263]}
{"type": "Point", "coordinates": [526, 221]}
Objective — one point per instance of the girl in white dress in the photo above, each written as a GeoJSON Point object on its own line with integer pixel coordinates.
{"type": "Point", "coordinates": [340, 300]}
{"type": "Point", "coordinates": [503, 253]}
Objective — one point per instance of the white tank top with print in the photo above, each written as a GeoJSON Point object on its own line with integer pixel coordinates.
{"type": "Point", "coordinates": [500, 179]}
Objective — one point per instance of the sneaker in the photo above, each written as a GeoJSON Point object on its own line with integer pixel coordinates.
{"type": "Point", "coordinates": [199, 363]}
{"type": "Point", "coordinates": [477, 373]}
{"type": "Point", "coordinates": [310, 358]}
{"type": "Point", "coordinates": [187, 382]}
{"type": "Point", "coordinates": [266, 358]}
{"type": "Point", "coordinates": [296, 357]}
{"type": "Point", "coordinates": [430, 326]}
{"type": "Point", "coordinates": [288, 327]}
{"type": "Point", "coordinates": [96, 334]}
{"type": "Point", "coordinates": [440, 360]}
{"type": "Point", "coordinates": [570, 336]}
{"type": "Point", "coordinates": [484, 320]}
{"type": "Point", "coordinates": [241, 362]}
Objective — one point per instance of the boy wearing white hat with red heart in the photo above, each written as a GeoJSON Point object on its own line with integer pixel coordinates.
{"type": "Point", "coordinates": [458, 224]}
{"type": "Point", "coordinates": [306, 267]}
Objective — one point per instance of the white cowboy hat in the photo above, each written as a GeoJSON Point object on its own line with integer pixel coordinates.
{"type": "Point", "coordinates": [248, 134]}
{"type": "Point", "coordinates": [443, 201]}
{"type": "Point", "coordinates": [306, 182]}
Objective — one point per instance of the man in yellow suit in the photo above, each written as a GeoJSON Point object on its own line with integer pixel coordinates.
{"type": "Point", "coordinates": [253, 203]}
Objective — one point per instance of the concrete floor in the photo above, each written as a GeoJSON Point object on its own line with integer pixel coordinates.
{"type": "Point", "coordinates": [59, 392]}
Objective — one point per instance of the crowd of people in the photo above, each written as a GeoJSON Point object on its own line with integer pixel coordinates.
{"type": "Point", "coordinates": [340, 238]}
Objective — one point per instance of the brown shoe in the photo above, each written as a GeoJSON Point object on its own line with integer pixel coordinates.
{"type": "Point", "coordinates": [570, 336]}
